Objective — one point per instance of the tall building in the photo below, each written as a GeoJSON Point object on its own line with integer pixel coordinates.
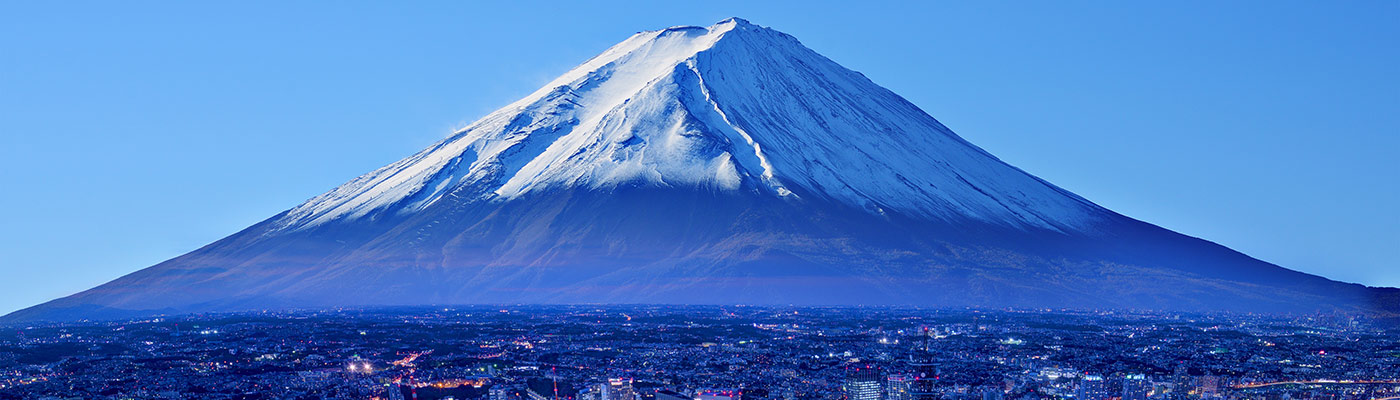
{"type": "Point", "coordinates": [1136, 387]}
{"type": "Point", "coordinates": [862, 383]}
{"type": "Point", "coordinates": [592, 392]}
{"type": "Point", "coordinates": [897, 387]}
{"type": "Point", "coordinates": [618, 389]}
{"type": "Point", "coordinates": [498, 392]}
{"type": "Point", "coordinates": [923, 384]}
{"type": "Point", "coordinates": [1092, 387]}
{"type": "Point", "coordinates": [394, 392]}
{"type": "Point", "coordinates": [1180, 382]}
{"type": "Point", "coordinates": [923, 372]}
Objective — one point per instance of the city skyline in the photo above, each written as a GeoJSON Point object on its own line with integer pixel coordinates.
{"type": "Point", "coordinates": [702, 201]}
{"type": "Point", "coordinates": [592, 352]}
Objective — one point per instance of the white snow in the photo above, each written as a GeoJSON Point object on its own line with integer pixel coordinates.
{"type": "Point", "coordinates": [732, 106]}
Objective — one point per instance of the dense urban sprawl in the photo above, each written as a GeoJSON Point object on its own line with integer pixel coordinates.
{"type": "Point", "coordinates": [704, 353]}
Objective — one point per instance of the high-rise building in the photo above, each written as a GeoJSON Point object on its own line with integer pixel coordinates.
{"type": "Point", "coordinates": [897, 387]}
{"type": "Point", "coordinates": [394, 392]}
{"type": "Point", "coordinates": [497, 392]}
{"type": "Point", "coordinates": [923, 384]}
{"type": "Point", "coordinates": [592, 392]}
{"type": "Point", "coordinates": [923, 371]}
{"type": "Point", "coordinates": [1092, 387]}
{"type": "Point", "coordinates": [862, 383]}
{"type": "Point", "coordinates": [1180, 382]}
{"type": "Point", "coordinates": [618, 389]}
{"type": "Point", "coordinates": [1136, 387]}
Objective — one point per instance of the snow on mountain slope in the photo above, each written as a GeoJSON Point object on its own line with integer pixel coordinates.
{"type": "Point", "coordinates": [719, 165]}
{"type": "Point", "coordinates": [733, 106]}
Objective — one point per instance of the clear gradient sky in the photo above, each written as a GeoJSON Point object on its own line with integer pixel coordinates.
{"type": "Point", "coordinates": [132, 132]}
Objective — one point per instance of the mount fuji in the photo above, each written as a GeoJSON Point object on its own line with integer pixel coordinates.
{"type": "Point", "coordinates": [726, 164]}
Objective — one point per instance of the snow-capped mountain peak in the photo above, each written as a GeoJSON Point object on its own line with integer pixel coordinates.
{"type": "Point", "coordinates": [708, 165]}
{"type": "Point", "coordinates": [729, 107]}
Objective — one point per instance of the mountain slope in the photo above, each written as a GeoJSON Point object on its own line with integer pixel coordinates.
{"type": "Point", "coordinates": [729, 106]}
{"type": "Point", "coordinates": [721, 164]}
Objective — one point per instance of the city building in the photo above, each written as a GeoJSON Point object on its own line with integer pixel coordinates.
{"type": "Point", "coordinates": [1208, 386]}
{"type": "Point", "coordinates": [1092, 387]}
{"type": "Point", "coordinates": [862, 383]}
{"type": "Point", "coordinates": [592, 392]}
{"type": "Point", "coordinates": [618, 389]}
{"type": "Point", "coordinates": [717, 394]}
{"type": "Point", "coordinates": [897, 387]}
{"type": "Point", "coordinates": [1136, 387]}
{"type": "Point", "coordinates": [923, 384]}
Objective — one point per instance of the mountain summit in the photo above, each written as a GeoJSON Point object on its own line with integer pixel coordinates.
{"type": "Point", "coordinates": [734, 108]}
{"type": "Point", "coordinates": [723, 164]}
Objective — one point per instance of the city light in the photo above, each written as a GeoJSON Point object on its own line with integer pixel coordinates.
{"type": "Point", "coordinates": [685, 353]}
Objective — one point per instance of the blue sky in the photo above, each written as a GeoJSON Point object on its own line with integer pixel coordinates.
{"type": "Point", "coordinates": [132, 132]}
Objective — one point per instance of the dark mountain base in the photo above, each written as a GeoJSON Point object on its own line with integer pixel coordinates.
{"type": "Point", "coordinates": [672, 246]}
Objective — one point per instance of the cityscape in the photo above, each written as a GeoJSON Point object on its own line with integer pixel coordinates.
{"type": "Point", "coordinates": [906, 200]}
{"type": "Point", "coordinates": [654, 352]}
